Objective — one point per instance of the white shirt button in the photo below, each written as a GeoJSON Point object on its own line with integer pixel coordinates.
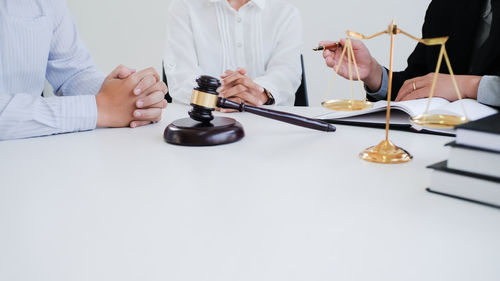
{"type": "Point", "coordinates": [239, 45]}
{"type": "Point", "coordinates": [238, 19]}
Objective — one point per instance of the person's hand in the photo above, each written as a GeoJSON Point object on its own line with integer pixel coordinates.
{"type": "Point", "coordinates": [117, 100]}
{"type": "Point", "coordinates": [238, 87]}
{"type": "Point", "coordinates": [420, 87]}
{"type": "Point", "coordinates": [149, 85]}
{"type": "Point", "coordinates": [151, 91]}
{"type": "Point", "coordinates": [370, 71]}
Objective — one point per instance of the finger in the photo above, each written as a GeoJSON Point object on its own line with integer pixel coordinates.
{"type": "Point", "coordinates": [418, 94]}
{"type": "Point", "coordinates": [247, 82]}
{"type": "Point", "coordinates": [242, 71]}
{"type": "Point", "coordinates": [138, 76]}
{"type": "Point", "coordinates": [332, 57]}
{"type": "Point", "coordinates": [357, 44]}
{"type": "Point", "coordinates": [331, 62]}
{"type": "Point", "coordinates": [135, 124]}
{"type": "Point", "coordinates": [120, 72]}
{"type": "Point", "coordinates": [233, 91]}
{"type": "Point", "coordinates": [162, 104]}
{"type": "Point", "coordinates": [327, 53]}
{"type": "Point", "coordinates": [230, 78]}
{"type": "Point", "coordinates": [125, 73]}
{"type": "Point", "coordinates": [407, 88]}
{"type": "Point", "coordinates": [151, 99]}
{"type": "Point", "coordinates": [149, 114]}
{"type": "Point", "coordinates": [226, 74]}
{"type": "Point", "coordinates": [157, 87]}
{"type": "Point", "coordinates": [250, 98]}
{"type": "Point", "coordinates": [144, 84]}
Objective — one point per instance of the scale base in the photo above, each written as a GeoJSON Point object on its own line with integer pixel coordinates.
{"type": "Point", "coordinates": [386, 153]}
{"type": "Point", "coordinates": [347, 105]}
{"type": "Point", "coordinates": [439, 121]}
{"type": "Point", "coordinates": [188, 132]}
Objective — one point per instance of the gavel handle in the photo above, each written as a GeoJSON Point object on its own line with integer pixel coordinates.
{"type": "Point", "coordinates": [290, 118]}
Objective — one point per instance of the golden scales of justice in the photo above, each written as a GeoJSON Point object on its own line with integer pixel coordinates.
{"type": "Point", "coordinates": [386, 152]}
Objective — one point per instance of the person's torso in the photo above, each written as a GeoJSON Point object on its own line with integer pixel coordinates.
{"type": "Point", "coordinates": [25, 36]}
{"type": "Point", "coordinates": [228, 39]}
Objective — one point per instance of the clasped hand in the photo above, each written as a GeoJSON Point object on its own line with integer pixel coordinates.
{"type": "Point", "coordinates": [129, 98]}
{"type": "Point", "coordinates": [370, 71]}
{"type": "Point", "coordinates": [238, 87]}
{"type": "Point", "coordinates": [420, 87]}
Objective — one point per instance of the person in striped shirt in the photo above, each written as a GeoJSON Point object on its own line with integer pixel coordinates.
{"type": "Point", "coordinates": [39, 42]}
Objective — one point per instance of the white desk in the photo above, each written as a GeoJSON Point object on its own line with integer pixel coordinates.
{"type": "Point", "coordinates": [285, 203]}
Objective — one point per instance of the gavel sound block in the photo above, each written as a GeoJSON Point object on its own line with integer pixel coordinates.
{"type": "Point", "coordinates": [202, 129]}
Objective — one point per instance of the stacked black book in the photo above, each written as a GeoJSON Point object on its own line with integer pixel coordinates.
{"type": "Point", "coordinates": [472, 172]}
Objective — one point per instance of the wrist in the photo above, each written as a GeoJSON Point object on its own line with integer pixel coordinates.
{"type": "Point", "coordinates": [471, 86]}
{"type": "Point", "coordinates": [101, 111]}
{"type": "Point", "coordinates": [373, 81]}
{"type": "Point", "coordinates": [269, 98]}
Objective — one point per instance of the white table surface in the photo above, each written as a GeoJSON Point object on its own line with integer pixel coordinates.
{"type": "Point", "coordinates": [285, 203]}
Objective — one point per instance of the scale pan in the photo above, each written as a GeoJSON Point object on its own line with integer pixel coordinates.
{"type": "Point", "coordinates": [347, 105]}
{"type": "Point", "coordinates": [438, 121]}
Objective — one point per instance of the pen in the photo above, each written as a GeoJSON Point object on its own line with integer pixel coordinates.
{"type": "Point", "coordinates": [331, 46]}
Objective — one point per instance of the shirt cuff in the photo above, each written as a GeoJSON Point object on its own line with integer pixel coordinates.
{"type": "Point", "coordinates": [381, 94]}
{"type": "Point", "coordinates": [488, 91]}
{"type": "Point", "coordinates": [78, 113]}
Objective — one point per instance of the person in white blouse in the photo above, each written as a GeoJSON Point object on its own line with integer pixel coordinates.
{"type": "Point", "coordinates": [254, 46]}
{"type": "Point", "coordinates": [38, 42]}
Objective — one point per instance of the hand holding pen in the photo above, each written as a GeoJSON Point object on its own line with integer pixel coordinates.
{"type": "Point", "coordinates": [370, 70]}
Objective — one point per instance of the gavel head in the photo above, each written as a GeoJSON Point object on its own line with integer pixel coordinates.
{"type": "Point", "coordinates": [204, 99]}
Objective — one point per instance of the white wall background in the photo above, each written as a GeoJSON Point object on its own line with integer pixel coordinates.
{"type": "Point", "coordinates": [132, 32]}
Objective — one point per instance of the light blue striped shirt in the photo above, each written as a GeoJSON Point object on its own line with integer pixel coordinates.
{"type": "Point", "coordinates": [38, 41]}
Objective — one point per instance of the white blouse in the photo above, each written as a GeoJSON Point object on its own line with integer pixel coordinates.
{"type": "Point", "coordinates": [208, 37]}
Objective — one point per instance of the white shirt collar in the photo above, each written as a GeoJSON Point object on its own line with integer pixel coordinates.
{"type": "Point", "coordinates": [260, 3]}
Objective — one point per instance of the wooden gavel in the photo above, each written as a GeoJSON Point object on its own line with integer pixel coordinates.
{"type": "Point", "coordinates": [205, 100]}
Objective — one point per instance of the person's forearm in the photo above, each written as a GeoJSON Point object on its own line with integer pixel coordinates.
{"type": "Point", "coordinates": [24, 116]}
{"type": "Point", "coordinates": [468, 85]}
{"type": "Point", "coordinates": [374, 80]}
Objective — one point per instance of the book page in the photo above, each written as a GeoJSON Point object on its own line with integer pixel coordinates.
{"type": "Point", "coordinates": [411, 108]}
{"type": "Point", "coordinates": [474, 109]}
{"type": "Point", "coordinates": [418, 107]}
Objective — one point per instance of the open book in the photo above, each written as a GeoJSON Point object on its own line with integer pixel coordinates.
{"type": "Point", "coordinates": [402, 111]}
